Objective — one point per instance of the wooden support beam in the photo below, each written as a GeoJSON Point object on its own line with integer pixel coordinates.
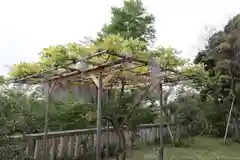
{"type": "Point", "coordinates": [107, 79]}
{"type": "Point", "coordinates": [110, 76]}
{"type": "Point", "coordinates": [94, 79]}
{"type": "Point", "coordinates": [104, 82]}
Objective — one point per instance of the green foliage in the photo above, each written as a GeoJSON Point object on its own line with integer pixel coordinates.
{"type": "Point", "coordinates": [125, 105]}
{"type": "Point", "coordinates": [117, 43]}
{"type": "Point", "coordinates": [54, 56]}
{"type": "Point", "coordinates": [197, 75]}
{"type": "Point", "coordinates": [131, 20]}
{"type": "Point", "coordinates": [59, 55]}
{"type": "Point", "coordinates": [215, 117]}
{"type": "Point", "coordinates": [16, 110]}
{"type": "Point", "coordinates": [24, 113]}
{"type": "Point", "coordinates": [16, 118]}
{"type": "Point", "coordinates": [168, 57]}
{"type": "Point", "coordinates": [24, 69]}
{"type": "Point", "coordinates": [70, 116]}
{"type": "Point", "coordinates": [184, 108]}
{"type": "Point", "coordinates": [2, 80]}
{"type": "Point", "coordinates": [220, 58]}
{"type": "Point", "coordinates": [188, 108]}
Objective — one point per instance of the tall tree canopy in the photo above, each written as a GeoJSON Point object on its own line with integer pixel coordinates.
{"type": "Point", "coordinates": [131, 20]}
{"type": "Point", "coordinates": [221, 59]}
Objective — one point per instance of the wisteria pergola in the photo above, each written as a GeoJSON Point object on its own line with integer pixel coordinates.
{"type": "Point", "coordinates": [105, 75]}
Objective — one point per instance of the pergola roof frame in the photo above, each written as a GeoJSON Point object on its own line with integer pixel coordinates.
{"type": "Point", "coordinates": [95, 73]}
{"type": "Point", "coordinates": [85, 75]}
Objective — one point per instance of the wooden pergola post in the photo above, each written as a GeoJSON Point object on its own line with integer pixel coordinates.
{"type": "Point", "coordinates": [48, 93]}
{"type": "Point", "coordinates": [156, 78]}
{"type": "Point", "coordinates": [45, 141]}
{"type": "Point", "coordinates": [99, 116]}
{"type": "Point", "coordinates": [161, 149]}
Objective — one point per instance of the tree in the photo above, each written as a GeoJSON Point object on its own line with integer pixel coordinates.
{"type": "Point", "coordinates": [20, 114]}
{"type": "Point", "coordinates": [70, 116]}
{"type": "Point", "coordinates": [127, 108]}
{"type": "Point", "coordinates": [221, 59]}
{"type": "Point", "coordinates": [131, 20]}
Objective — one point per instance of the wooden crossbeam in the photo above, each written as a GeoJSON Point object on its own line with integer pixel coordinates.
{"type": "Point", "coordinates": [94, 79]}
{"type": "Point", "coordinates": [104, 81]}
{"type": "Point", "coordinates": [107, 79]}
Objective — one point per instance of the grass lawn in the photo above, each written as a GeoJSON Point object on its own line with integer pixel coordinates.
{"type": "Point", "coordinates": [203, 148]}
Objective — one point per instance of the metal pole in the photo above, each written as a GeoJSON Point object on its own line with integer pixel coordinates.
{"type": "Point", "coordinates": [99, 117]}
{"type": "Point", "coordinates": [161, 123]}
{"type": "Point", "coordinates": [45, 155]}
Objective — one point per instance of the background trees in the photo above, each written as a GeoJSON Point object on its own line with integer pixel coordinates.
{"type": "Point", "coordinates": [131, 21]}
{"type": "Point", "coordinates": [221, 60]}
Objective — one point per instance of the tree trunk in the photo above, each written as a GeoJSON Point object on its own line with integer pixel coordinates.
{"type": "Point", "coordinates": [170, 133]}
{"type": "Point", "coordinates": [117, 149]}
{"type": "Point", "coordinates": [133, 139]}
{"type": "Point", "coordinates": [236, 128]}
{"type": "Point", "coordinates": [133, 136]}
{"type": "Point", "coordinates": [124, 147]}
{"type": "Point", "coordinates": [116, 128]}
{"type": "Point", "coordinates": [178, 133]}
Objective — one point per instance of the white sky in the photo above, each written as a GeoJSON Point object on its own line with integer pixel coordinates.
{"type": "Point", "coordinates": [29, 25]}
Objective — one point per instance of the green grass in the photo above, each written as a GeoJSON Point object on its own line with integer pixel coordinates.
{"type": "Point", "coordinates": [203, 148]}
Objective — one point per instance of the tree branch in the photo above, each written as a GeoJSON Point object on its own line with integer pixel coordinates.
{"type": "Point", "coordinates": [137, 103]}
{"type": "Point", "coordinates": [122, 90]}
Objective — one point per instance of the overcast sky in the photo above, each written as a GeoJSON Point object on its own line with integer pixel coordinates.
{"type": "Point", "coordinates": [29, 25]}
